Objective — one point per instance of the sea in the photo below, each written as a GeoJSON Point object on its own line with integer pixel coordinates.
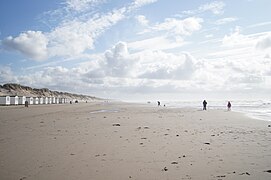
{"type": "Point", "coordinates": [257, 109]}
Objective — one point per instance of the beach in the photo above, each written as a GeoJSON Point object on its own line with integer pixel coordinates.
{"type": "Point", "coordinates": [116, 140]}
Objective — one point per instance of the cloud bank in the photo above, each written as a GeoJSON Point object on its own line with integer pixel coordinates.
{"type": "Point", "coordinates": [184, 53]}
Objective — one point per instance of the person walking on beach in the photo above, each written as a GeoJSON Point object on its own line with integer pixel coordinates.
{"type": "Point", "coordinates": [229, 105]}
{"type": "Point", "coordinates": [158, 102]}
{"type": "Point", "coordinates": [204, 104]}
{"type": "Point", "coordinates": [26, 104]}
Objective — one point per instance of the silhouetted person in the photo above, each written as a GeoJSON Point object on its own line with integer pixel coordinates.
{"type": "Point", "coordinates": [229, 105]}
{"type": "Point", "coordinates": [26, 104]}
{"type": "Point", "coordinates": [158, 102]}
{"type": "Point", "coordinates": [204, 105]}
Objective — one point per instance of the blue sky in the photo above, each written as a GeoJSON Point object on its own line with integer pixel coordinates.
{"type": "Point", "coordinates": [139, 49]}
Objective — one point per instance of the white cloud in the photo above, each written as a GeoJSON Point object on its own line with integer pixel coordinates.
{"type": "Point", "coordinates": [180, 26]}
{"type": "Point", "coordinates": [142, 20]}
{"type": "Point", "coordinates": [167, 66]}
{"type": "Point", "coordinates": [31, 43]}
{"type": "Point", "coordinates": [6, 75]}
{"type": "Point", "coordinates": [156, 43]}
{"type": "Point", "coordinates": [226, 20]}
{"type": "Point", "coordinates": [246, 79]}
{"type": "Point", "coordinates": [237, 39]}
{"type": "Point", "coordinates": [260, 24]}
{"type": "Point", "coordinates": [215, 7]}
{"type": "Point", "coordinates": [74, 37]}
{"type": "Point", "coordinates": [139, 3]}
{"type": "Point", "coordinates": [168, 34]}
{"type": "Point", "coordinates": [209, 35]}
{"type": "Point", "coordinates": [117, 71]}
{"type": "Point", "coordinates": [118, 61]}
{"type": "Point", "coordinates": [74, 34]}
{"type": "Point", "coordinates": [264, 43]}
{"type": "Point", "coordinates": [82, 5]}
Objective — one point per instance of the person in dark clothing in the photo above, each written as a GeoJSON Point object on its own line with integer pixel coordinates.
{"type": "Point", "coordinates": [26, 104]}
{"type": "Point", "coordinates": [204, 105]}
{"type": "Point", "coordinates": [229, 105]}
{"type": "Point", "coordinates": [158, 102]}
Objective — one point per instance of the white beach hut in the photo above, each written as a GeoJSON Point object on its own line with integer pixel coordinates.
{"type": "Point", "coordinates": [57, 101]}
{"type": "Point", "coordinates": [40, 100]}
{"type": "Point", "coordinates": [30, 100]}
{"type": "Point", "coordinates": [61, 100]}
{"type": "Point", "coordinates": [4, 100]}
{"type": "Point", "coordinates": [14, 100]}
{"type": "Point", "coordinates": [45, 100]}
{"type": "Point", "coordinates": [49, 100]}
{"type": "Point", "coordinates": [35, 100]}
{"type": "Point", "coordinates": [53, 100]}
{"type": "Point", "coordinates": [22, 100]}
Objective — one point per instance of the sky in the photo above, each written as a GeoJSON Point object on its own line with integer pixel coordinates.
{"type": "Point", "coordinates": [139, 50]}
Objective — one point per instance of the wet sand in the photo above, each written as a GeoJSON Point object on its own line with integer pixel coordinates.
{"type": "Point", "coordinates": [101, 141]}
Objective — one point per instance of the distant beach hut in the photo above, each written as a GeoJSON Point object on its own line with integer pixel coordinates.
{"type": "Point", "coordinates": [14, 100]}
{"type": "Point", "coordinates": [53, 100]}
{"type": "Point", "coordinates": [35, 100]}
{"type": "Point", "coordinates": [45, 100]}
{"type": "Point", "coordinates": [40, 100]}
{"type": "Point", "coordinates": [61, 101]}
{"type": "Point", "coordinates": [30, 100]}
{"type": "Point", "coordinates": [4, 100]}
{"type": "Point", "coordinates": [49, 100]}
{"type": "Point", "coordinates": [22, 100]}
{"type": "Point", "coordinates": [57, 101]}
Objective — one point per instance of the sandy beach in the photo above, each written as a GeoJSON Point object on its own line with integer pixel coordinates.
{"type": "Point", "coordinates": [104, 141]}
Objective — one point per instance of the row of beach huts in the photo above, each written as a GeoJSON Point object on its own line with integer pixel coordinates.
{"type": "Point", "coordinates": [21, 100]}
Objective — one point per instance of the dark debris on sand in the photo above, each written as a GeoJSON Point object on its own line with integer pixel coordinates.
{"type": "Point", "coordinates": [165, 169]}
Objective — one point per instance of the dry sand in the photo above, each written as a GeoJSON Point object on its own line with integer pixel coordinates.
{"type": "Point", "coordinates": [81, 141]}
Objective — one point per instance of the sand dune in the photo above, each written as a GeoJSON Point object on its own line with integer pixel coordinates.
{"type": "Point", "coordinates": [102, 141]}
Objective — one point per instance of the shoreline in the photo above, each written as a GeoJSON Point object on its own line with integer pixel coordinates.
{"type": "Point", "coordinates": [135, 142]}
{"type": "Point", "coordinates": [258, 109]}
{"type": "Point", "coordinates": [250, 113]}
